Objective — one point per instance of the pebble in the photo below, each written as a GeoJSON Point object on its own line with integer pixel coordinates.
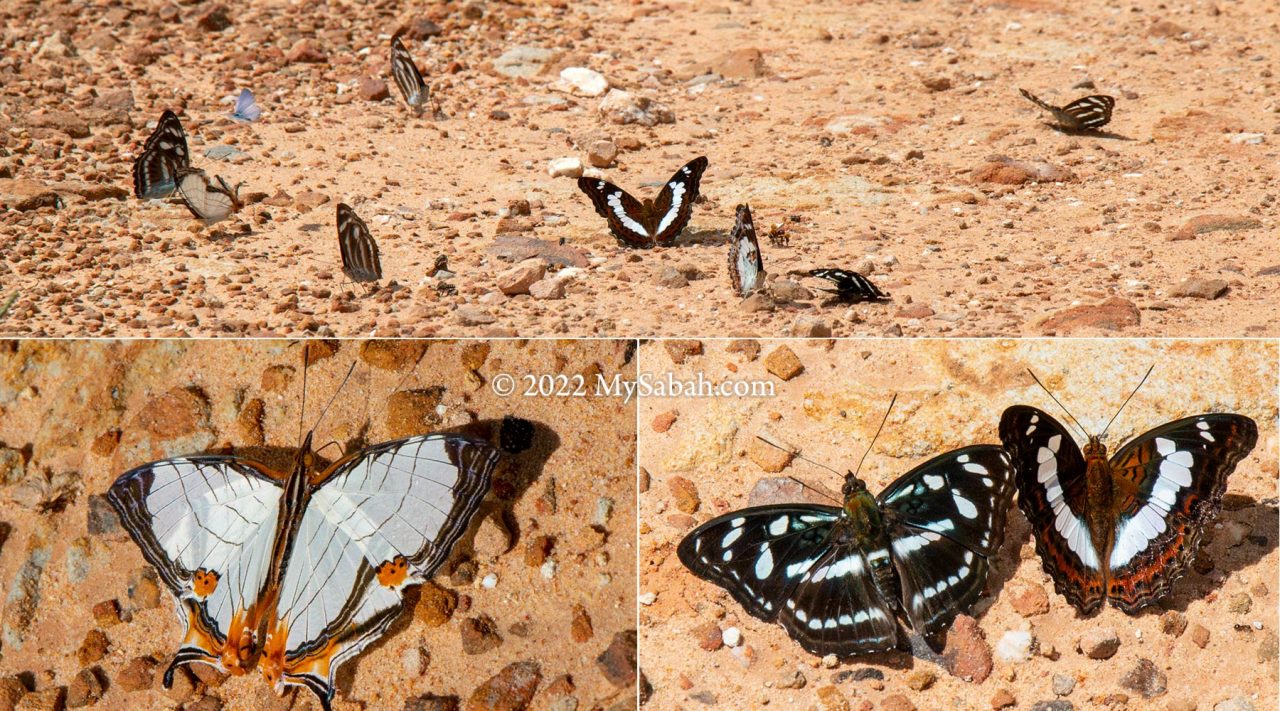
{"type": "Point", "coordinates": [1114, 314]}
{"type": "Point", "coordinates": [137, 675]}
{"type": "Point", "coordinates": [1240, 604]}
{"type": "Point", "coordinates": [519, 278]}
{"type": "Point", "coordinates": [430, 702]}
{"type": "Point", "coordinates": [1006, 171]}
{"type": "Point", "coordinates": [472, 315]}
{"type": "Point", "coordinates": [1030, 601]}
{"type": "Point", "coordinates": [1063, 685]}
{"type": "Point", "coordinates": [810, 327]}
{"type": "Point", "coordinates": [921, 679]}
{"type": "Point", "coordinates": [897, 702]}
{"type": "Point", "coordinates": [786, 290]}
{"type": "Point", "coordinates": [479, 635]}
{"type": "Point", "coordinates": [684, 494]}
{"type": "Point", "coordinates": [85, 689]}
{"type": "Point", "coordinates": [1058, 705]}
{"type": "Point", "coordinates": [618, 661]}
{"type": "Point", "coordinates": [409, 412]}
{"type": "Point", "coordinates": [792, 680]}
{"type": "Point", "coordinates": [623, 107]}
{"type": "Point", "coordinates": [602, 153]}
{"type": "Point", "coordinates": [680, 351]}
{"type": "Point", "coordinates": [710, 637]}
{"type": "Point", "coordinates": [94, 647]}
{"type": "Point", "coordinates": [1200, 635]}
{"type": "Point", "coordinates": [671, 278]}
{"type": "Point", "coordinates": [522, 61]}
{"type": "Point", "coordinates": [435, 604]}
{"type": "Point", "coordinates": [22, 599]}
{"type": "Point", "coordinates": [783, 363]}
{"type": "Point", "coordinates": [740, 63]}
{"type": "Point", "coordinates": [511, 689]}
{"type": "Point", "coordinates": [1002, 699]}
{"type": "Point", "coordinates": [1173, 623]}
{"type": "Point", "coordinates": [1238, 703]}
{"type": "Point", "coordinates": [1197, 288]}
{"type": "Point", "coordinates": [1145, 679]}
{"type": "Point", "coordinates": [1205, 224]}
{"type": "Point", "coordinates": [732, 636]}
{"type": "Point", "coordinates": [373, 89]}
{"type": "Point", "coordinates": [50, 699]}
{"type": "Point", "coordinates": [1015, 646]}
{"type": "Point", "coordinates": [582, 81]}
{"type": "Point", "coordinates": [11, 692]}
{"type": "Point", "coordinates": [569, 167]}
{"type": "Point", "coordinates": [967, 654]}
{"type": "Point", "coordinates": [830, 699]}
{"type": "Point", "coordinates": [1099, 643]}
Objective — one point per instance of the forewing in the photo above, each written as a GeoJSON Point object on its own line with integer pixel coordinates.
{"type": "Point", "coordinates": [746, 266]}
{"type": "Point", "coordinates": [210, 516]}
{"type": "Point", "coordinates": [850, 286]}
{"type": "Point", "coordinates": [360, 257]}
{"type": "Point", "coordinates": [1091, 111]}
{"type": "Point", "coordinates": [625, 215]}
{"type": "Point", "coordinates": [1172, 479]}
{"type": "Point", "coordinates": [382, 519]}
{"type": "Point", "coordinates": [163, 155]}
{"type": "Point", "coordinates": [674, 205]}
{"type": "Point", "coordinates": [1049, 472]}
{"type": "Point", "coordinates": [204, 200]}
{"type": "Point", "coordinates": [406, 75]}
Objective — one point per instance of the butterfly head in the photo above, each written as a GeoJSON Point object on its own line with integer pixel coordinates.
{"type": "Point", "coordinates": [860, 507]}
{"type": "Point", "coordinates": [1094, 448]}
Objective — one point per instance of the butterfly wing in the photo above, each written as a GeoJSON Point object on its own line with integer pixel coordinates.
{"type": "Point", "coordinates": [381, 520]}
{"type": "Point", "coordinates": [674, 205]}
{"type": "Point", "coordinates": [779, 564]}
{"type": "Point", "coordinates": [949, 515]}
{"type": "Point", "coordinates": [247, 108]}
{"type": "Point", "coordinates": [1049, 472]}
{"type": "Point", "coordinates": [625, 215]}
{"type": "Point", "coordinates": [1037, 101]}
{"type": "Point", "coordinates": [1090, 112]}
{"type": "Point", "coordinates": [406, 75]}
{"type": "Point", "coordinates": [746, 266]}
{"type": "Point", "coordinates": [850, 286]}
{"type": "Point", "coordinates": [164, 153]}
{"type": "Point", "coordinates": [207, 525]}
{"type": "Point", "coordinates": [209, 202]}
{"type": "Point", "coordinates": [1171, 480]}
{"type": "Point", "coordinates": [360, 258]}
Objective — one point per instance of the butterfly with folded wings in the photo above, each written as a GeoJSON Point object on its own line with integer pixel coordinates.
{"type": "Point", "coordinates": [295, 572]}
{"type": "Point", "coordinates": [1084, 114]}
{"type": "Point", "coordinates": [407, 77]}
{"type": "Point", "coordinates": [850, 286]}
{"type": "Point", "coordinates": [163, 155]}
{"type": "Point", "coordinates": [211, 201]}
{"type": "Point", "coordinates": [1122, 529]}
{"type": "Point", "coordinates": [360, 258]}
{"type": "Point", "coordinates": [746, 266]}
{"type": "Point", "coordinates": [838, 578]}
{"type": "Point", "coordinates": [247, 108]}
{"type": "Point", "coordinates": [652, 222]}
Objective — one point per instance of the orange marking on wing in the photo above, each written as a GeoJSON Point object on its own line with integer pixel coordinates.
{"type": "Point", "coordinates": [317, 663]}
{"type": "Point", "coordinates": [392, 573]}
{"type": "Point", "coordinates": [272, 662]}
{"type": "Point", "coordinates": [206, 581]}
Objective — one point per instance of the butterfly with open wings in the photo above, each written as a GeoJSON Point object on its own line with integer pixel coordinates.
{"type": "Point", "coordinates": [164, 154]}
{"type": "Point", "coordinates": [1088, 113]}
{"type": "Point", "coordinates": [850, 286]}
{"type": "Point", "coordinates": [838, 578]}
{"type": "Point", "coordinates": [360, 259]}
{"type": "Point", "coordinates": [746, 266]}
{"type": "Point", "coordinates": [295, 572]}
{"type": "Point", "coordinates": [652, 222]}
{"type": "Point", "coordinates": [1124, 529]}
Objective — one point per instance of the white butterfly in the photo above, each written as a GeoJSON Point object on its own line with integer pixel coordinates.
{"type": "Point", "coordinates": [247, 108]}
{"type": "Point", "coordinates": [208, 201]}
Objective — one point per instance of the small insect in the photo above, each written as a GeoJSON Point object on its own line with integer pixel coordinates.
{"type": "Point", "coordinates": [1085, 114]}
{"type": "Point", "coordinates": [210, 201]}
{"type": "Point", "coordinates": [247, 108]}
{"type": "Point", "coordinates": [407, 77]}
{"type": "Point", "coordinates": [851, 287]}
{"type": "Point", "coordinates": [360, 259]}
{"type": "Point", "coordinates": [644, 224]}
{"type": "Point", "coordinates": [779, 236]}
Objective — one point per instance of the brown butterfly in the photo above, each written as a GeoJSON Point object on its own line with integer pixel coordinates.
{"type": "Point", "coordinates": [644, 224]}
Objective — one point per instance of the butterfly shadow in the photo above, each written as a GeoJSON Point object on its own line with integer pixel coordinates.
{"type": "Point", "coordinates": [1088, 133]}
{"type": "Point", "coordinates": [709, 236]}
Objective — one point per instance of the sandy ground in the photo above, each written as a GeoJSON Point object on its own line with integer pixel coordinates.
{"type": "Point", "coordinates": [951, 394]}
{"type": "Point", "coordinates": [62, 402]}
{"type": "Point", "coordinates": [865, 127]}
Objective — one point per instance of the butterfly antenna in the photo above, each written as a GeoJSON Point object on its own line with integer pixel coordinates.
{"type": "Point", "coordinates": [334, 397]}
{"type": "Point", "coordinates": [302, 413]}
{"type": "Point", "coordinates": [877, 434]}
{"type": "Point", "coordinates": [1126, 400]}
{"type": "Point", "coordinates": [1083, 430]}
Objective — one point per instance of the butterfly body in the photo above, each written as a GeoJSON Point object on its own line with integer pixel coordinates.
{"type": "Point", "coordinates": [1122, 529]}
{"type": "Point", "coordinates": [838, 578]}
{"type": "Point", "coordinates": [1087, 113]}
{"type": "Point", "coordinates": [746, 266]}
{"type": "Point", "coordinates": [648, 222]}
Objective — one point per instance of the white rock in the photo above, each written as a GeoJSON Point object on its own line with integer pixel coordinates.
{"type": "Point", "coordinates": [622, 107]}
{"type": "Point", "coordinates": [582, 81]}
{"type": "Point", "coordinates": [648, 598]}
{"type": "Point", "coordinates": [490, 581]}
{"type": "Point", "coordinates": [565, 167]}
{"type": "Point", "coordinates": [732, 636]}
{"type": "Point", "coordinates": [1251, 139]}
{"type": "Point", "coordinates": [1014, 646]}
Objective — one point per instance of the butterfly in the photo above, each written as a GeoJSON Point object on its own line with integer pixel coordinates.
{"type": "Point", "coordinates": [1122, 529]}
{"type": "Point", "coordinates": [851, 287]}
{"type": "Point", "coordinates": [407, 77]}
{"type": "Point", "coordinates": [360, 259]}
{"type": "Point", "coordinates": [659, 221]}
{"type": "Point", "coordinates": [1085, 114]}
{"type": "Point", "coordinates": [247, 108]}
{"type": "Point", "coordinates": [746, 266]}
{"type": "Point", "coordinates": [296, 572]}
{"type": "Point", "coordinates": [837, 579]}
{"type": "Point", "coordinates": [209, 201]}
{"type": "Point", "coordinates": [164, 153]}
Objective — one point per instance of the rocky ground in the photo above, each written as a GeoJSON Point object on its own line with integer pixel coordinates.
{"type": "Point", "coordinates": [536, 607]}
{"type": "Point", "coordinates": [1210, 645]}
{"type": "Point", "coordinates": [885, 136]}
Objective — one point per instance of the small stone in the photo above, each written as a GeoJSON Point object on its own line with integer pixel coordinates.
{"type": "Point", "coordinates": [622, 107]}
{"type": "Point", "coordinates": [137, 674]}
{"type": "Point", "coordinates": [618, 661]}
{"type": "Point", "coordinates": [788, 291]}
{"type": "Point", "coordinates": [176, 413]}
{"type": "Point", "coordinates": [1200, 636]}
{"type": "Point", "coordinates": [1238, 703]}
{"type": "Point", "coordinates": [11, 692]}
{"type": "Point", "coordinates": [107, 613]}
{"type": "Point", "coordinates": [568, 167]}
{"type": "Point", "coordinates": [474, 315]}
{"type": "Point", "coordinates": [830, 699]}
{"type": "Point", "coordinates": [50, 699]}
{"type": "Point", "coordinates": [582, 81]}
{"type": "Point", "coordinates": [967, 654]}
{"type": "Point", "coordinates": [1173, 623]}
{"type": "Point", "coordinates": [921, 679]}
{"type": "Point", "coordinates": [1099, 643]}
{"type": "Point", "coordinates": [306, 51]}
{"type": "Point", "coordinates": [601, 154]}
{"type": "Point", "coordinates": [214, 19]}
{"type": "Point", "coordinates": [741, 63]}
{"type": "Point", "coordinates": [580, 627]}
{"type": "Point", "coordinates": [396, 355]}
{"type": "Point", "coordinates": [1006, 171]}
{"type": "Point", "coordinates": [1058, 705]}
{"type": "Point", "coordinates": [431, 702]}
{"type": "Point", "coordinates": [897, 702]}
{"type": "Point", "coordinates": [810, 327]}
{"type": "Point", "coordinates": [792, 680]}
{"type": "Point", "coordinates": [1215, 223]}
{"type": "Point", "coordinates": [783, 363]}
{"type": "Point", "coordinates": [519, 278]}
{"type": "Point", "coordinates": [86, 689]}
{"type": "Point", "coordinates": [684, 494]}
{"type": "Point", "coordinates": [522, 61]}
{"type": "Point", "coordinates": [479, 635]}
{"type": "Point", "coordinates": [1240, 604]}
{"type": "Point", "coordinates": [1002, 699]}
{"type": "Point", "coordinates": [509, 690]}
{"type": "Point", "coordinates": [732, 636]}
{"type": "Point", "coordinates": [103, 519]}
{"type": "Point", "coordinates": [1063, 685]}
{"type": "Point", "coordinates": [663, 421]}
{"type": "Point", "coordinates": [1030, 601]}
{"type": "Point", "coordinates": [1114, 314]}
{"type": "Point", "coordinates": [1145, 679]}
{"type": "Point", "coordinates": [1197, 288]}
{"type": "Point", "coordinates": [1015, 646]}
{"type": "Point", "coordinates": [548, 289]}
{"type": "Point", "coordinates": [1268, 648]}
{"type": "Point", "coordinates": [411, 412]}
{"type": "Point", "coordinates": [537, 549]}
{"type": "Point", "coordinates": [435, 604]}
{"type": "Point", "coordinates": [682, 350]}
{"type": "Point", "coordinates": [93, 648]}
{"type": "Point", "coordinates": [709, 636]}
{"type": "Point", "coordinates": [671, 278]}
{"type": "Point", "coordinates": [373, 89]}
{"type": "Point", "coordinates": [936, 83]}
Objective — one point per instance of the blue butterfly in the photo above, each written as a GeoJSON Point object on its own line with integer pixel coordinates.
{"type": "Point", "coordinates": [246, 108]}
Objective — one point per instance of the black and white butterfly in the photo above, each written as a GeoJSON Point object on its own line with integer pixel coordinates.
{"type": "Point", "coordinates": [360, 260]}
{"type": "Point", "coordinates": [207, 200]}
{"type": "Point", "coordinates": [247, 108]}
{"type": "Point", "coordinates": [746, 266]}
{"type": "Point", "coordinates": [850, 287]}
{"type": "Point", "coordinates": [1122, 529]}
{"type": "Point", "coordinates": [407, 77]}
{"type": "Point", "coordinates": [1084, 114]}
{"type": "Point", "coordinates": [163, 155]}
{"type": "Point", "coordinates": [838, 578]}
{"type": "Point", "coordinates": [644, 224]}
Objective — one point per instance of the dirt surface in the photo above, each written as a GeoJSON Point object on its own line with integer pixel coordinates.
{"type": "Point", "coordinates": [1212, 640]}
{"type": "Point", "coordinates": [73, 416]}
{"type": "Point", "coordinates": [868, 129]}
